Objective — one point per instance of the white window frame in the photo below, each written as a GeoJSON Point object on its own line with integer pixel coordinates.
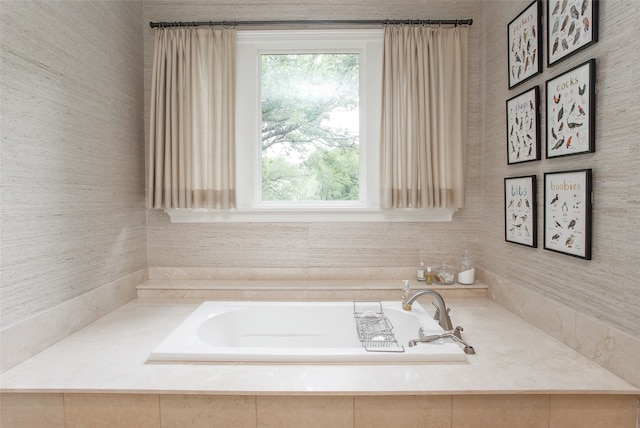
{"type": "Point", "coordinates": [251, 45]}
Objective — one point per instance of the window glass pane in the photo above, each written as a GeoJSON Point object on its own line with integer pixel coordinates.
{"type": "Point", "coordinates": [310, 127]}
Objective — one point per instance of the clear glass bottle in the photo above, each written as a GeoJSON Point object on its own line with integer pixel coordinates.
{"type": "Point", "coordinates": [466, 274]}
{"type": "Point", "coordinates": [406, 293]}
{"type": "Point", "coordinates": [420, 271]}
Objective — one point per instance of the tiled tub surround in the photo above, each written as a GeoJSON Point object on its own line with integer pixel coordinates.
{"type": "Point", "coordinates": [520, 376]}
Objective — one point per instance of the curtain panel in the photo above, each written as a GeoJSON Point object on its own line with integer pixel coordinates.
{"type": "Point", "coordinates": [424, 117]}
{"type": "Point", "coordinates": [191, 152]}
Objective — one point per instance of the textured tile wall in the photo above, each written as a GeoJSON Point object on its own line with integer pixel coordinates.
{"type": "Point", "coordinates": [606, 287]}
{"type": "Point", "coordinates": [304, 245]}
{"type": "Point", "coordinates": [73, 213]}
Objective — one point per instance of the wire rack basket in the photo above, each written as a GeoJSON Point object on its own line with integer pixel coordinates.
{"type": "Point", "coordinates": [375, 331]}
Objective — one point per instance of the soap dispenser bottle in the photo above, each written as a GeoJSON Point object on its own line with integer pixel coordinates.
{"type": "Point", "coordinates": [406, 293]}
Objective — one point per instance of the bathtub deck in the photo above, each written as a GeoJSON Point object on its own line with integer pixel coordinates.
{"type": "Point", "coordinates": [110, 356]}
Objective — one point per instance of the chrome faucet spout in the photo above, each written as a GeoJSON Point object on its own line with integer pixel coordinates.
{"type": "Point", "coordinates": [441, 307]}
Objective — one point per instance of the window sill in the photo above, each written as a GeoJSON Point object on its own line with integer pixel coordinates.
{"type": "Point", "coordinates": [310, 215]}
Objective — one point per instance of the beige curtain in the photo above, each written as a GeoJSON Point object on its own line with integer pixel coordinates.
{"type": "Point", "coordinates": [424, 117]}
{"type": "Point", "coordinates": [191, 156]}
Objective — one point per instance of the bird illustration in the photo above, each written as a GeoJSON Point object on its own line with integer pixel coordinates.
{"type": "Point", "coordinates": [526, 202]}
{"type": "Point", "coordinates": [558, 144]}
{"type": "Point", "coordinates": [572, 223]}
{"type": "Point", "coordinates": [576, 37]}
{"type": "Point", "coordinates": [572, 28]}
{"type": "Point", "coordinates": [560, 113]}
{"type": "Point", "coordinates": [565, 208]}
{"type": "Point", "coordinates": [523, 218]}
{"type": "Point", "coordinates": [553, 134]}
{"type": "Point", "coordinates": [585, 3]}
{"type": "Point", "coordinates": [572, 125]}
{"type": "Point", "coordinates": [555, 237]}
{"type": "Point", "coordinates": [554, 200]}
{"type": "Point", "coordinates": [573, 107]}
{"type": "Point", "coordinates": [564, 6]}
{"type": "Point", "coordinates": [574, 12]}
{"type": "Point", "coordinates": [526, 230]}
{"type": "Point", "coordinates": [569, 141]}
{"type": "Point", "coordinates": [581, 110]}
{"type": "Point", "coordinates": [514, 217]}
{"type": "Point", "coordinates": [510, 203]}
{"type": "Point", "coordinates": [569, 241]}
{"type": "Point", "coordinates": [555, 9]}
{"type": "Point", "coordinates": [585, 24]}
{"type": "Point", "coordinates": [582, 90]}
{"type": "Point", "coordinates": [556, 25]}
{"type": "Point", "coordinates": [560, 127]}
{"type": "Point", "coordinates": [555, 46]}
{"type": "Point", "coordinates": [565, 45]}
{"type": "Point", "coordinates": [556, 99]}
{"type": "Point", "coordinates": [558, 224]}
{"type": "Point", "coordinates": [564, 23]}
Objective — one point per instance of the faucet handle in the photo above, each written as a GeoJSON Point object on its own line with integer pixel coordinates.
{"type": "Point", "coordinates": [436, 316]}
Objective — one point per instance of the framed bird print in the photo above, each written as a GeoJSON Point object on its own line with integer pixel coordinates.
{"type": "Point", "coordinates": [567, 212]}
{"type": "Point", "coordinates": [523, 137]}
{"type": "Point", "coordinates": [571, 112]}
{"type": "Point", "coordinates": [572, 25]}
{"type": "Point", "coordinates": [520, 210]}
{"type": "Point", "coordinates": [525, 44]}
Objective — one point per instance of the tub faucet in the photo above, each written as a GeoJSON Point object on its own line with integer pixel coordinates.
{"type": "Point", "coordinates": [442, 312]}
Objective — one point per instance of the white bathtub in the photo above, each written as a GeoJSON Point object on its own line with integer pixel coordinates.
{"type": "Point", "coordinates": [298, 332]}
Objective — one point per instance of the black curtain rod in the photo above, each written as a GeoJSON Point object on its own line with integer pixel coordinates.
{"type": "Point", "coordinates": [315, 22]}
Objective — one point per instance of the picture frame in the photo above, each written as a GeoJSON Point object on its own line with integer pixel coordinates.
{"type": "Point", "coordinates": [570, 111]}
{"type": "Point", "coordinates": [523, 127]}
{"type": "Point", "coordinates": [520, 210]}
{"type": "Point", "coordinates": [572, 25]}
{"type": "Point", "coordinates": [567, 212]}
{"type": "Point", "coordinates": [525, 44]}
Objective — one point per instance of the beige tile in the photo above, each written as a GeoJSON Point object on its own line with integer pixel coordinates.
{"type": "Point", "coordinates": [31, 410]}
{"type": "Point", "coordinates": [593, 411]}
{"type": "Point", "coordinates": [304, 412]}
{"type": "Point", "coordinates": [500, 411]}
{"type": "Point", "coordinates": [112, 410]}
{"type": "Point", "coordinates": [210, 411]}
{"type": "Point", "coordinates": [390, 411]}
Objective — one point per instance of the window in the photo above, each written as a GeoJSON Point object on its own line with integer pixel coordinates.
{"type": "Point", "coordinates": [265, 60]}
{"type": "Point", "coordinates": [310, 127]}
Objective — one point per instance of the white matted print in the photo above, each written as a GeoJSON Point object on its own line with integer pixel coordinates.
{"type": "Point", "coordinates": [520, 210]}
{"type": "Point", "coordinates": [571, 111]}
{"type": "Point", "coordinates": [523, 136]}
{"type": "Point", "coordinates": [572, 25]}
{"type": "Point", "coordinates": [567, 212]}
{"type": "Point", "coordinates": [525, 44]}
